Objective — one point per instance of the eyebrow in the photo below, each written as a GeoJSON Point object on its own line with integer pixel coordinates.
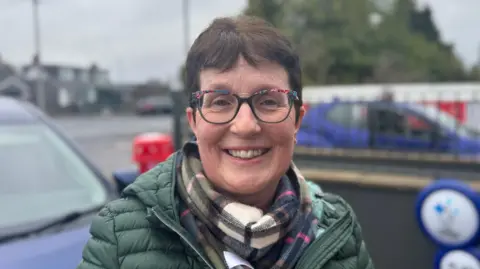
{"type": "Point", "coordinates": [225, 86]}
{"type": "Point", "coordinates": [218, 86]}
{"type": "Point", "coordinates": [268, 86]}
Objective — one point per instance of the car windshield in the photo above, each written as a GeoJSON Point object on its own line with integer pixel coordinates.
{"type": "Point", "coordinates": [42, 178]}
{"type": "Point", "coordinates": [445, 119]}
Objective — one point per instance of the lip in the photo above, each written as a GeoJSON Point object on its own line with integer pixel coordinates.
{"type": "Point", "coordinates": [247, 162]}
{"type": "Point", "coordinates": [246, 148]}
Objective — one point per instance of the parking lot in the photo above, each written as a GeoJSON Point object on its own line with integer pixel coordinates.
{"type": "Point", "coordinates": [108, 140]}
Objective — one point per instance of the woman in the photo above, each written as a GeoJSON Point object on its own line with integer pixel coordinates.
{"type": "Point", "coordinates": [232, 198]}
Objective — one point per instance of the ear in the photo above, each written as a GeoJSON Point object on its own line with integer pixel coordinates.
{"type": "Point", "coordinates": [191, 121]}
{"type": "Point", "coordinates": [301, 113]}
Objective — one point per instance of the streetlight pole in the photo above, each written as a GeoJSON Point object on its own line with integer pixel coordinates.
{"type": "Point", "coordinates": [39, 85]}
{"type": "Point", "coordinates": [186, 25]}
{"type": "Point", "coordinates": [178, 97]}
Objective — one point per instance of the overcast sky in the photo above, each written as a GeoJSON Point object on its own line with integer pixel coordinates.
{"type": "Point", "coordinates": [142, 39]}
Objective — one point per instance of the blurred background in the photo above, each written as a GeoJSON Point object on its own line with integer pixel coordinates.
{"type": "Point", "coordinates": [95, 65]}
{"type": "Point", "coordinates": [102, 72]}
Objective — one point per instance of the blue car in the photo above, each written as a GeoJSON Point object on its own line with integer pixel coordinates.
{"type": "Point", "coordinates": [49, 192]}
{"type": "Point", "coordinates": [387, 126]}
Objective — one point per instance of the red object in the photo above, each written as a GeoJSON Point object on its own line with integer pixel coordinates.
{"type": "Point", "coordinates": [415, 123]}
{"type": "Point", "coordinates": [306, 107]}
{"type": "Point", "coordinates": [458, 109]}
{"type": "Point", "coordinates": [150, 149]}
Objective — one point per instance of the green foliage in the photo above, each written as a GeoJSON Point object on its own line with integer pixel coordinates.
{"type": "Point", "coordinates": [271, 11]}
{"type": "Point", "coordinates": [339, 42]}
{"type": "Point", "coordinates": [344, 41]}
{"type": "Point", "coordinates": [474, 73]}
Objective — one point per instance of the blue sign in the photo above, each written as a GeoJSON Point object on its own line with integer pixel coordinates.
{"type": "Point", "coordinates": [448, 212]}
{"type": "Point", "coordinates": [458, 259]}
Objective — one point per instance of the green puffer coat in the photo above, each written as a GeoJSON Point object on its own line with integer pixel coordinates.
{"type": "Point", "coordinates": [142, 231]}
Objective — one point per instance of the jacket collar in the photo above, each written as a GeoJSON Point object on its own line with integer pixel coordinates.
{"type": "Point", "coordinates": [156, 188]}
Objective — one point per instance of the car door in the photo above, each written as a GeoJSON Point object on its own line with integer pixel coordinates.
{"type": "Point", "coordinates": [345, 125]}
{"type": "Point", "coordinates": [396, 128]}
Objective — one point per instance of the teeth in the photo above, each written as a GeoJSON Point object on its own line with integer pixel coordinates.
{"type": "Point", "coordinates": [246, 154]}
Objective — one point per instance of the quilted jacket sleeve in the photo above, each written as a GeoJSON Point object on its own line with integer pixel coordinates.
{"type": "Point", "coordinates": [363, 260]}
{"type": "Point", "coordinates": [354, 254]}
{"type": "Point", "coordinates": [100, 251]}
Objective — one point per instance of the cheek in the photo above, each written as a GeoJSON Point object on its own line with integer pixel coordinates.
{"type": "Point", "coordinates": [283, 140]}
{"type": "Point", "coordinates": [209, 136]}
{"type": "Point", "coordinates": [282, 134]}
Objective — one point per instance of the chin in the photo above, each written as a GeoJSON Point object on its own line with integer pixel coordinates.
{"type": "Point", "coordinates": [247, 185]}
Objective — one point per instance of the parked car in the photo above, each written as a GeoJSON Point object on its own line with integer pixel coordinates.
{"type": "Point", "coordinates": [154, 105]}
{"type": "Point", "coordinates": [386, 125]}
{"type": "Point", "coordinates": [49, 191]}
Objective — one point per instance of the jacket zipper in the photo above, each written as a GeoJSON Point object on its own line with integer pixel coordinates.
{"type": "Point", "coordinates": [327, 243]}
{"type": "Point", "coordinates": [184, 238]}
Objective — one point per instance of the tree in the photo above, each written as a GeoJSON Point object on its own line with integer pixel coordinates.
{"type": "Point", "coordinates": [339, 42]}
{"type": "Point", "coordinates": [269, 10]}
{"type": "Point", "coordinates": [334, 39]}
{"type": "Point", "coordinates": [421, 22]}
{"type": "Point", "coordinates": [475, 73]}
{"type": "Point", "coordinates": [410, 36]}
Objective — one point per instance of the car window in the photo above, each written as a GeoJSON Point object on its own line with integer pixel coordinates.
{"type": "Point", "coordinates": [349, 115]}
{"type": "Point", "coordinates": [400, 123]}
{"type": "Point", "coordinates": [418, 128]}
{"type": "Point", "coordinates": [444, 119]}
{"type": "Point", "coordinates": [41, 177]}
{"type": "Point", "coordinates": [386, 120]}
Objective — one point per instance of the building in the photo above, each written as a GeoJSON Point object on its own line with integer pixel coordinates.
{"type": "Point", "coordinates": [72, 89]}
{"type": "Point", "coordinates": [12, 84]}
{"type": "Point", "coordinates": [68, 89]}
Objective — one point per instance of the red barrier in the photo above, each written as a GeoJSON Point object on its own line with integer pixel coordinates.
{"type": "Point", "coordinates": [458, 109]}
{"type": "Point", "coordinates": [150, 149]}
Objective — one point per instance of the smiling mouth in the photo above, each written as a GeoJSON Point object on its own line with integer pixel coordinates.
{"type": "Point", "coordinates": [247, 154]}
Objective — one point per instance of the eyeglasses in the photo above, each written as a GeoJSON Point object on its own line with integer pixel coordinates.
{"type": "Point", "coordinates": [221, 106]}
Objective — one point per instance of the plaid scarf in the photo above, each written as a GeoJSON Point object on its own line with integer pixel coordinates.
{"type": "Point", "coordinates": [272, 240]}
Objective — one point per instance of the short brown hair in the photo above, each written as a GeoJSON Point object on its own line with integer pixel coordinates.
{"type": "Point", "coordinates": [226, 39]}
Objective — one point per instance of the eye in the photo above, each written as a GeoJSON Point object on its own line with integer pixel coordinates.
{"type": "Point", "coordinates": [221, 102]}
{"type": "Point", "coordinates": [269, 102]}
{"type": "Point", "coordinates": [271, 99]}
{"type": "Point", "coordinates": [218, 100]}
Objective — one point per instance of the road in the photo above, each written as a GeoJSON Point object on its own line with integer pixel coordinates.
{"type": "Point", "coordinates": [108, 140]}
{"type": "Point", "coordinates": [108, 126]}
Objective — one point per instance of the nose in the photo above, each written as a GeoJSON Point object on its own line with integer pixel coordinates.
{"type": "Point", "coordinates": [245, 124]}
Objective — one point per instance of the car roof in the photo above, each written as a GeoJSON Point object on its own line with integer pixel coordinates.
{"type": "Point", "coordinates": [14, 111]}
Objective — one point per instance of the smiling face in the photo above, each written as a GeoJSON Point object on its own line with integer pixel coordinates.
{"type": "Point", "coordinates": [229, 151]}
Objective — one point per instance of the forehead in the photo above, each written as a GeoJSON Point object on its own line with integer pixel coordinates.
{"type": "Point", "coordinates": [244, 77]}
